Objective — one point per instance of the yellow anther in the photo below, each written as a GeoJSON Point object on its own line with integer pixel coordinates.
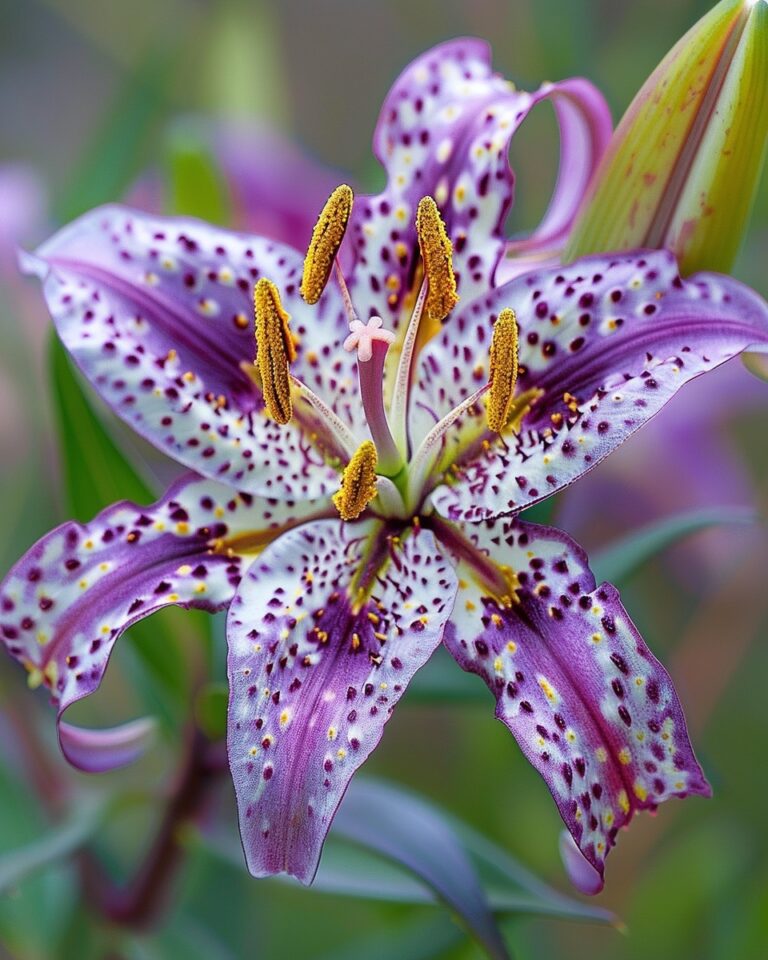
{"type": "Point", "coordinates": [275, 350]}
{"type": "Point", "coordinates": [326, 240]}
{"type": "Point", "coordinates": [504, 367]}
{"type": "Point", "coordinates": [436, 253]}
{"type": "Point", "coordinates": [358, 482]}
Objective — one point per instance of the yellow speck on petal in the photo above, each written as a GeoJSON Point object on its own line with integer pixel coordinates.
{"type": "Point", "coordinates": [341, 753]}
{"type": "Point", "coordinates": [608, 818]}
{"type": "Point", "coordinates": [358, 482]}
{"type": "Point", "coordinates": [105, 629]}
{"type": "Point", "coordinates": [548, 690]}
{"type": "Point", "coordinates": [42, 638]}
{"type": "Point", "coordinates": [639, 790]}
{"type": "Point", "coordinates": [504, 370]}
{"type": "Point", "coordinates": [597, 637]}
{"type": "Point", "coordinates": [326, 239]}
{"type": "Point", "coordinates": [469, 606]}
{"type": "Point", "coordinates": [275, 351]}
{"type": "Point", "coordinates": [512, 646]}
{"type": "Point", "coordinates": [201, 587]}
{"type": "Point", "coordinates": [624, 801]}
{"type": "Point", "coordinates": [34, 678]}
{"type": "Point", "coordinates": [602, 754]}
{"type": "Point", "coordinates": [83, 584]}
{"type": "Point", "coordinates": [182, 527]}
{"type": "Point", "coordinates": [625, 757]}
{"type": "Point", "coordinates": [332, 733]}
{"type": "Point", "coordinates": [88, 544]}
{"type": "Point", "coordinates": [498, 665]}
{"type": "Point", "coordinates": [184, 570]}
{"type": "Point", "coordinates": [437, 256]}
{"type": "Point", "coordinates": [285, 716]}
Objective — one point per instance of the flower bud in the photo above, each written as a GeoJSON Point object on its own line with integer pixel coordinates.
{"type": "Point", "coordinates": [682, 168]}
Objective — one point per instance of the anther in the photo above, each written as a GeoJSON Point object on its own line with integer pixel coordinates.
{"type": "Point", "coordinates": [504, 367]}
{"type": "Point", "coordinates": [275, 350]}
{"type": "Point", "coordinates": [436, 253]}
{"type": "Point", "coordinates": [326, 240]}
{"type": "Point", "coordinates": [358, 482]}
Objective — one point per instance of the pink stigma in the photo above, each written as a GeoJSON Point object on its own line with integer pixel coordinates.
{"type": "Point", "coordinates": [363, 335]}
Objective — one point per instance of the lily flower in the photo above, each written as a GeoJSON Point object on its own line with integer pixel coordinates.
{"type": "Point", "coordinates": [362, 466]}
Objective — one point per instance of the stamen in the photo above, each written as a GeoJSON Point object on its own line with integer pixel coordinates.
{"type": "Point", "coordinates": [425, 457]}
{"type": "Point", "coordinates": [398, 410]}
{"type": "Point", "coordinates": [326, 240]}
{"type": "Point", "coordinates": [358, 482]}
{"type": "Point", "coordinates": [436, 253]}
{"type": "Point", "coordinates": [504, 367]}
{"type": "Point", "coordinates": [275, 350]}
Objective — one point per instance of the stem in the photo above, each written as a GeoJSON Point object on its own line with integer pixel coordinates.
{"type": "Point", "coordinates": [140, 903]}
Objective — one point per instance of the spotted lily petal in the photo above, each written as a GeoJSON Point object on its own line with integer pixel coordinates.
{"type": "Point", "coordinates": [316, 665]}
{"type": "Point", "coordinates": [68, 599]}
{"type": "Point", "coordinates": [590, 706]}
{"type": "Point", "coordinates": [444, 130]}
{"type": "Point", "coordinates": [158, 314]}
{"type": "Point", "coordinates": [606, 340]}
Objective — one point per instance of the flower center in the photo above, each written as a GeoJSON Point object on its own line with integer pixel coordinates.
{"type": "Point", "coordinates": [384, 472]}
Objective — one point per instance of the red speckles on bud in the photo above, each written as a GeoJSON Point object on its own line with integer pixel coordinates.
{"type": "Point", "coordinates": [683, 166]}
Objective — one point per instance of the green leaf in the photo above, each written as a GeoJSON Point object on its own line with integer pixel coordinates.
{"type": "Point", "coordinates": [196, 188]}
{"type": "Point", "coordinates": [425, 853]}
{"type": "Point", "coordinates": [412, 833]}
{"type": "Point", "coordinates": [54, 845]}
{"type": "Point", "coordinates": [119, 149]}
{"type": "Point", "coordinates": [621, 559]}
{"type": "Point", "coordinates": [95, 472]}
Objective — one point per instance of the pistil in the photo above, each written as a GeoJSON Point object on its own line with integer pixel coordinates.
{"type": "Point", "coordinates": [372, 341]}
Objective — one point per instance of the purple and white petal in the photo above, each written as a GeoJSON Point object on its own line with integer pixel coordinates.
{"type": "Point", "coordinates": [444, 130]}
{"type": "Point", "coordinates": [68, 599]}
{"type": "Point", "coordinates": [608, 339]}
{"type": "Point", "coordinates": [158, 314]}
{"type": "Point", "coordinates": [590, 706]}
{"type": "Point", "coordinates": [316, 666]}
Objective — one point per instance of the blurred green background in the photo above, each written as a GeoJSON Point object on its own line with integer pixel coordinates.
{"type": "Point", "coordinates": [91, 92]}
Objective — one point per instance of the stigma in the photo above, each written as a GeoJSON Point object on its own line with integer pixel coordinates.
{"type": "Point", "coordinates": [275, 350]}
{"type": "Point", "coordinates": [362, 337]}
{"type": "Point", "coordinates": [326, 239]}
{"type": "Point", "coordinates": [504, 368]}
{"type": "Point", "coordinates": [358, 482]}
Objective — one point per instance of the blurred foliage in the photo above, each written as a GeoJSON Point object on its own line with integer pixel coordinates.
{"type": "Point", "coordinates": [91, 95]}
